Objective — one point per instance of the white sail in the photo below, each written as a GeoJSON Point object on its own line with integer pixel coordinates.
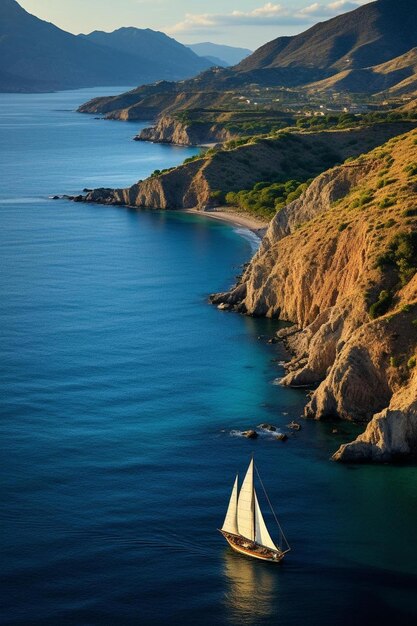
{"type": "Point", "coordinates": [262, 535]}
{"type": "Point", "coordinates": [230, 521]}
{"type": "Point", "coordinates": [245, 507]}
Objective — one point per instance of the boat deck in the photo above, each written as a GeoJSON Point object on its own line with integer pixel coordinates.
{"type": "Point", "coordinates": [250, 548]}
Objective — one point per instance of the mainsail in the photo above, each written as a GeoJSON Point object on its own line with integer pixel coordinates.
{"type": "Point", "coordinates": [230, 521]}
{"type": "Point", "coordinates": [245, 507]}
{"type": "Point", "coordinates": [262, 535]}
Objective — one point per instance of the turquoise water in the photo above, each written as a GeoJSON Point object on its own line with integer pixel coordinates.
{"type": "Point", "coordinates": [120, 386]}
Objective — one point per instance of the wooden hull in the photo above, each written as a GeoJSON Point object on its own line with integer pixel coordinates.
{"type": "Point", "coordinates": [243, 546]}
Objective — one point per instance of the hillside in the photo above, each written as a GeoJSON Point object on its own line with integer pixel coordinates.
{"type": "Point", "coordinates": [200, 127]}
{"type": "Point", "coordinates": [203, 182]}
{"type": "Point", "coordinates": [395, 77]}
{"type": "Point", "coordinates": [38, 56]}
{"type": "Point", "coordinates": [340, 263]}
{"type": "Point", "coordinates": [340, 50]}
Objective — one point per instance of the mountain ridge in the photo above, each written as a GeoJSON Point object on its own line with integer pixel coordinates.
{"type": "Point", "coordinates": [37, 55]}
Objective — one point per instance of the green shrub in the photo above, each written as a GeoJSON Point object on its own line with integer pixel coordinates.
{"type": "Point", "coordinates": [384, 182]}
{"type": "Point", "coordinates": [410, 212]}
{"type": "Point", "coordinates": [365, 198]}
{"type": "Point", "coordinates": [381, 306]}
{"type": "Point", "coordinates": [192, 158]}
{"type": "Point", "coordinates": [217, 196]}
{"type": "Point", "coordinates": [401, 254]}
{"type": "Point", "coordinates": [411, 362]}
{"type": "Point", "coordinates": [387, 202]}
{"type": "Point", "coordinates": [394, 361]}
{"type": "Point", "coordinates": [411, 169]}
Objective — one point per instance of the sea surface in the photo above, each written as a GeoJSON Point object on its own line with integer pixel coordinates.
{"type": "Point", "coordinates": [122, 391]}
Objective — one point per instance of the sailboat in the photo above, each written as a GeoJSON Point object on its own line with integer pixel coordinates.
{"type": "Point", "coordinates": [244, 527]}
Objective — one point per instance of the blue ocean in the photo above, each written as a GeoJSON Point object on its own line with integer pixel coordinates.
{"type": "Point", "coordinates": [122, 396]}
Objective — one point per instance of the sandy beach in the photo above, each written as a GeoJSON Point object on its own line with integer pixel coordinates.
{"type": "Point", "coordinates": [225, 214]}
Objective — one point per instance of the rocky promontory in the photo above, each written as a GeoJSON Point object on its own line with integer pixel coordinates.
{"type": "Point", "coordinates": [204, 180]}
{"type": "Point", "coordinates": [340, 263]}
{"type": "Point", "coordinates": [172, 130]}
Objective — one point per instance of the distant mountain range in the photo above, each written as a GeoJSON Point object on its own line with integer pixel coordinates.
{"type": "Point", "coordinates": [38, 56]}
{"type": "Point", "coordinates": [368, 50]}
{"type": "Point", "coordinates": [224, 56]}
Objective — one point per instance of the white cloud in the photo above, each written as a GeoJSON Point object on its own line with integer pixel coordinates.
{"type": "Point", "coordinates": [317, 9]}
{"type": "Point", "coordinates": [269, 14]}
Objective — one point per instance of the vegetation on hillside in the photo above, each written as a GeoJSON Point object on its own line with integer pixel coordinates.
{"type": "Point", "coordinates": [349, 120]}
{"type": "Point", "coordinates": [265, 199]}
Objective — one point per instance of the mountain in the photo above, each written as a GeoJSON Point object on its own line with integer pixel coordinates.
{"type": "Point", "coordinates": [370, 35]}
{"type": "Point", "coordinates": [38, 56]}
{"type": "Point", "coordinates": [343, 48]}
{"type": "Point", "coordinates": [227, 55]}
{"type": "Point", "coordinates": [168, 58]}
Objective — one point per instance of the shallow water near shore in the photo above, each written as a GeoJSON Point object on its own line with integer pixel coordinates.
{"type": "Point", "coordinates": [120, 386]}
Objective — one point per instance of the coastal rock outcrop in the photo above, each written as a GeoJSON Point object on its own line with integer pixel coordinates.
{"type": "Point", "coordinates": [171, 130]}
{"type": "Point", "coordinates": [391, 434]}
{"type": "Point", "coordinates": [340, 263]}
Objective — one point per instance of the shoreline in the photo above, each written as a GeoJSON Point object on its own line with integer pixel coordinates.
{"type": "Point", "coordinates": [256, 226]}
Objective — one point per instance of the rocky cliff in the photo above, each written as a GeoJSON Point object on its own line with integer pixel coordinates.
{"type": "Point", "coordinates": [171, 130]}
{"type": "Point", "coordinates": [203, 181]}
{"type": "Point", "coordinates": [340, 264]}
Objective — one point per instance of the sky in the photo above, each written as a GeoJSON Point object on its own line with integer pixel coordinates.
{"type": "Point", "coordinates": [246, 23]}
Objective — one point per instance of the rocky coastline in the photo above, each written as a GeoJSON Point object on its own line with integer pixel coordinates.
{"type": "Point", "coordinates": [318, 268]}
{"type": "Point", "coordinates": [172, 131]}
